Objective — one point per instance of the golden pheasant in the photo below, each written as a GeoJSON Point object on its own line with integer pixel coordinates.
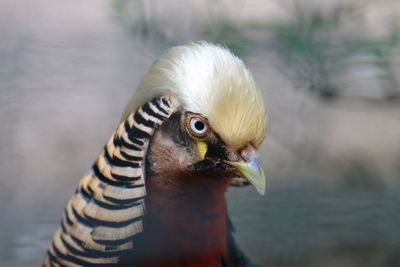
{"type": "Point", "coordinates": [155, 194]}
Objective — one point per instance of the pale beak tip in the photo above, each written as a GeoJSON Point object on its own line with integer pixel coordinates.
{"type": "Point", "coordinates": [261, 191]}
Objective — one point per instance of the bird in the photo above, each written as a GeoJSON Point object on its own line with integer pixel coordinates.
{"type": "Point", "coordinates": [155, 195]}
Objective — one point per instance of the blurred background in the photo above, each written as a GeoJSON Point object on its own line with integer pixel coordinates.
{"type": "Point", "coordinates": [329, 72]}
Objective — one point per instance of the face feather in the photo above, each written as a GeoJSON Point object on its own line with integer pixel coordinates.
{"type": "Point", "coordinates": [211, 81]}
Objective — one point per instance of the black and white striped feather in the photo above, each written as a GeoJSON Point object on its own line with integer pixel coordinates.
{"type": "Point", "coordinates": [106, 210]}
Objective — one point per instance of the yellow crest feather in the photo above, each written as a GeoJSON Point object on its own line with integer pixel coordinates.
{"type": "Point", "coordinates": [209, 80]}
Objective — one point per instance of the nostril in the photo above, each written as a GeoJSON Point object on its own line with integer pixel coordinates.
{"type": "Point", "coordinates": [233, 156]}
{"type": "Point", "coordinates": [247, 153]}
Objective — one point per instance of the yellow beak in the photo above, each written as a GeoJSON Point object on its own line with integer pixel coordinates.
{"type": "Point", "coordinates": [252, 171]}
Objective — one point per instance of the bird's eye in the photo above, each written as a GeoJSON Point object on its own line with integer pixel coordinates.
{"type": "Point", "coordinates": [197, 126]}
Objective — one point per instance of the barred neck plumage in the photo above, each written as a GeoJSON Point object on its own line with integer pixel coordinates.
{"type": "Point", "coordinates": [107, 208]}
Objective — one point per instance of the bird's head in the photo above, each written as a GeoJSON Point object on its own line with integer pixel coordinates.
{"type": "Point", "coordinates": [219, 121]}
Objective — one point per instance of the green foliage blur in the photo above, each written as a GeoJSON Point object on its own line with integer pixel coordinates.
{"type": "Point", "coordinates": [313, 43]}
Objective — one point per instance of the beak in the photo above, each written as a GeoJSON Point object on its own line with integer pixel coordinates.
{"type": "Point", "coordinates": [252, 171]}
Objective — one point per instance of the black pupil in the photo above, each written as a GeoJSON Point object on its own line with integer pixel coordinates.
{"type": "Point", "coordinates": [199, 125]}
